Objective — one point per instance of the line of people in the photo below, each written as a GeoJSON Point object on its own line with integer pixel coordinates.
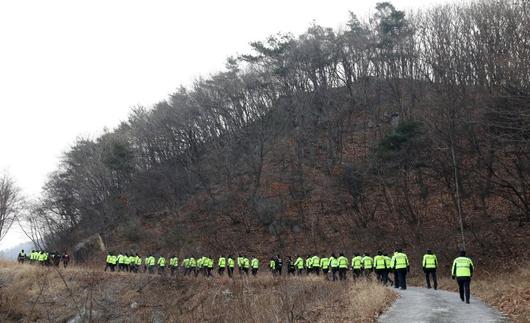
{"type": "Point", "coordinates": [44, 258]}
{"type": "Point", "coordinates": [332, 267]}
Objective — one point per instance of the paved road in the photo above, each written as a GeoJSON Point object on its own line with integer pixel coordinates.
{"type": "Point", "coordinates": [427, 305]}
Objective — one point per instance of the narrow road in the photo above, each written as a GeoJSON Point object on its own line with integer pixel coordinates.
{"type": "Point", "coordinates": [427, 305]}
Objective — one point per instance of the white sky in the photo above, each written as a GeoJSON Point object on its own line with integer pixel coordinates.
{"type": "Point", "coordinates": [70, 68]}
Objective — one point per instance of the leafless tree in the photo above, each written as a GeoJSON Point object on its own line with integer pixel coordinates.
{"type": "Point", "coordinates": [10, 203]}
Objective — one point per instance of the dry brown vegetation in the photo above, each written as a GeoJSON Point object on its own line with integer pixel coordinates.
{"type": "Point", "coordinates": [31, 293]}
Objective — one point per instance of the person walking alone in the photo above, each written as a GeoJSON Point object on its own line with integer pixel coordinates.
{"type": "Point", "coordinates": [462, 271]}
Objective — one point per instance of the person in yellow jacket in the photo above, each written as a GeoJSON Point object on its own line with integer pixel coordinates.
{"type": "Point", "coordinates": [231, 264]}
{"type": "Point", "coordinates": [334, 263]}
{"type": "Point", "coordinates": [462, 271]}
{"type": "Point", "coordinates": [429, 265]}
{"type": "Point", "coordinates": [161, 265]}
{"type": "Point", "coordinates": [209, 266]}
{"type": "Point", "coordinates": [356, 265]}
{"type": "Point", "coordinates": [324, 265]}
{"type": "Point", "coordinates": [146, 260]}
{"type": "Point", "coordinates": [343, 266]}
{"type": "Point", "coordinates": [368, 264]}
{"type": "Point", "coordinates": [299, 264]}
{"type": "Point", "coordinates": [151, 263]}
{"type": "Point", "coordinates": [193, 266]}
{"type": "Point", "coordinates": [173, 265]}
{"type": "Point", "coordinates": [315, 262]}
{"type": "Point", "coordinates": [132, 263]}
{"type": "Point", "coordinates": [240, 264]}
{"type": "Point", "coordinates": [200, 266]}
{"type": "Point", "coordinates": [400, 264]}
{"type": "Point", "coordinates": [221, 264]}
{"type": "Point", "coordinates": [110, 262]}
{"type": "Point", "coordinates": [246, 264]}
{"type": "Point", "coordinates": [380, 267]}
{"type": "Point", "coordinates": [254, 264]}
{"type": "Point", "coordinates": [138, 262]}
{"type": "Point", "coordinates": [308, 264]}
{"type": "Point", "coordinates": [272, 266]}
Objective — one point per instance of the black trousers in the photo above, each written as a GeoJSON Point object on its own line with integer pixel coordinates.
{"type": "Point", "coordinates": [380, 273]}
{"type": "Point", "coordinates": [463, 287]}
{"type": "Point", "coordinates": [334, 273]}
{"type": "Point", "coordinates": [428, 273]}
{"type": "Point", "coordinates": [342, 273]}
{"type": "Point", "coordinates": [402, 278]}
{"type": "Point", "coordinates": [254, 271]}
{"type": "Point", "coordinates": [356, 273]}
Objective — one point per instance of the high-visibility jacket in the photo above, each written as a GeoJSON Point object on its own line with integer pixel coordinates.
{"type": "Point", "coordinates": [368, 262]}
{"type": "Point", "coordinates": [186, 262]}
{"type": "Point", "coordinates": [388, 262]}
{"type": "Point", "coordinates": [333, 262]}
{"type": "Point", "coordinates": [309, 262]}
{"type": "Point", "coordinates": [254, 263]}
{"type": "Point", "coordinates": [138, 261]}
{"type": "Point", "coordinates": [46, 256]}
{"type": "Point", "coordinates": [42, 256]}
{"type": "Point", "coordinates": [221, 262]}
{"type": "Point", "coordinates": [120, 259]}
{"type": "Point", "coordinates": [108, 259]}
{"type": "Point", "coordinates": [379, 262]}
{"type": "Point", "coordinates": [272, 264]}
{"type": "Point", "coordinates": [343, 262]}
{"type": "Point", "coordinates": [200, 262]}
{"type": "Point", "coordinates": [246, 263]}
{"type": "Point", "coordinates": [126, 260]}
{"type": "Point", "coordinates": [209, 262]}
{"type": "Point", "coordinates": [324, 263]}
{"type": "Point", "coordinates": [462, 267]}
{"type": "Point", "coordinates": [173, 262]}
{"type": "Point", "coordinates": [357, 262]}
{"type": "Point", "coordinates": [231, 263]}
{"type": "Point", "coordinates": [161, 262]}
{"type": "Point", "coordinates": [146, 260]}
{"type": "Point", "coordinates": [113, 260]}
{"type": "Point", "coordinates": [400, 261]}
{"type": "Point", "coordinates": [151, 261]}
{"type": "Point", "coordinates": [240, 262]}
{"type": "Point", "coordinates": [132, 260]}
{"type": "Point", "coordinates": [193, 262]}
{"type": "Point", "coordinates": [316, 261]}
{"type": "Point", "coordinates": [299, 263]}
{"type": "Point", "coordinates": [429, 261]}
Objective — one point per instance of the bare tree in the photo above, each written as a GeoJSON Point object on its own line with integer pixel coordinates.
{"type": "Point", "coordinates": [10, 203]}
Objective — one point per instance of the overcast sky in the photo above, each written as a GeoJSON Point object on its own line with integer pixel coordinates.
{"type": "Point", "coordinates": [70, 68]}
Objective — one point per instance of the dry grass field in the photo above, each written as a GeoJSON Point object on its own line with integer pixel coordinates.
{"type": "Point", "coordinates": [30, 293]}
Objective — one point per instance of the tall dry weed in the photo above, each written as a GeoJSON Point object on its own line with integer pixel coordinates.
{"type": "Point", "coordinates": [29, 292]}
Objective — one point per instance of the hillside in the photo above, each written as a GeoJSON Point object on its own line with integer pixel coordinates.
{"type": "Point", "coordinates": [394, 132]}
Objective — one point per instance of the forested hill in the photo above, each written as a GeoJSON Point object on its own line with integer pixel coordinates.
{"type": "Point", "coordinates": [382, 134]}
